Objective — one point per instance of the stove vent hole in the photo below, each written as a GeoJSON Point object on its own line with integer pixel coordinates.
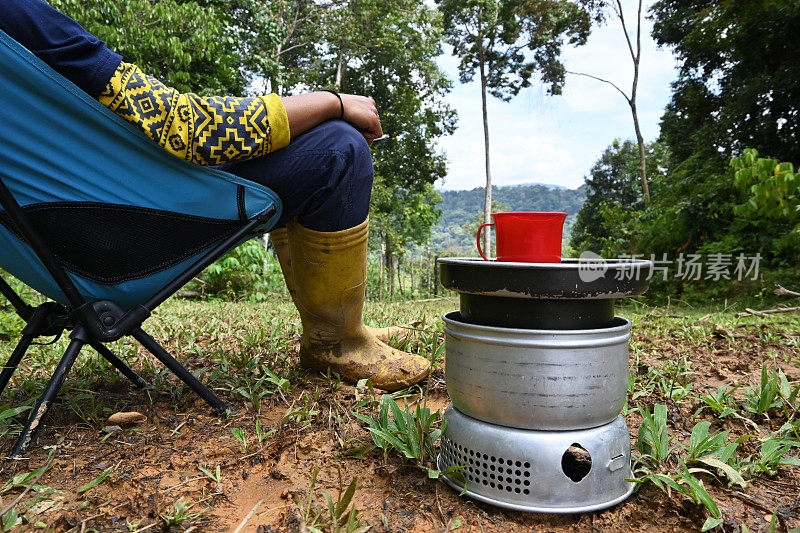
{"type": "Point", "coordinates": [576, 462]}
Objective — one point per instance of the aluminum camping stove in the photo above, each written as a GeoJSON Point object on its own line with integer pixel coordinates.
{"type": "Point", "coordinates": [537, 370]}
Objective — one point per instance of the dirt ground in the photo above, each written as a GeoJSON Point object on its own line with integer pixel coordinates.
{"type": "Point", "coordinates": [158, 464]}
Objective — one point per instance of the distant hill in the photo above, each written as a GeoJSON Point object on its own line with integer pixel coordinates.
{"type": "Point", "coordinates": [460, 208]}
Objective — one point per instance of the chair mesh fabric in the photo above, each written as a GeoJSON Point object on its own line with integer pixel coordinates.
{"type": "Point", "coordinates": [115, 243]}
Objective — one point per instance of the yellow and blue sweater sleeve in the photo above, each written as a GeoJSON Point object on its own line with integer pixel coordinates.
{"type": "Point", "coordinates": [203, 130]}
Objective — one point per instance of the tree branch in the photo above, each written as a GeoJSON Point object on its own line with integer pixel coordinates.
{"type": "Point", "coordinates": [625, 29]}
{"type": "Point", "coordinates": [614, 85]}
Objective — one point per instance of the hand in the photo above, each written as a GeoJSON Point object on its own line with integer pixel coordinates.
{"type": "Point", "coordinates": [361, 113]}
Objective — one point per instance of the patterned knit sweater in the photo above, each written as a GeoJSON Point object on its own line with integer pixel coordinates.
{"type": "Point", "coordinates": [206, 131]}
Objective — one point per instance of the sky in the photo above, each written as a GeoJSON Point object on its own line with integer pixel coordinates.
{"type": "Point", "coordinates": [556, 139]}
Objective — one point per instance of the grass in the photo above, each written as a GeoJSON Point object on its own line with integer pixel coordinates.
{"type": "Point", "coordinates": [696, 442]}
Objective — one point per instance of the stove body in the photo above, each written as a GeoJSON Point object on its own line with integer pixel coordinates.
{"type": "Point", "coordinates": [537, 371]}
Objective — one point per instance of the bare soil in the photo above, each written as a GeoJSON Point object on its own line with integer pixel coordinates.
{"type": "Point", "coordinates": [158, 463]}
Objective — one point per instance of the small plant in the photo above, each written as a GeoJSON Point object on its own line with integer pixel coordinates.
{"type": "Point", "coordinates": [7, 424]}
{"type": "Point", "coordinates": [96, 481]}
{"type": "Point", "coordinates": [713, 450]}
{"type": "Point", "coordinates": [304, 414]}
{"type": "Point", "coordinates": [238, 434]}
{"type": "Point", "coordinates": [179, 514]}
{"type": "Point", "coordinates": [410, 433]}
{"type": "Point", "coordinates": [261, 435]}
{"type": "Point", "coordinates": [337, 515]}
{"type": "Point", "coordinates": [721, 402]}
{"type": "Point", "coordinates": [215, 476]}
{"type": "Point", "coordinates": [268, 385]}
{"type": "Point", "coordinates": [683, 482]}
{"type": "Point", "coordinates": [653, 441]}
{"type": "Point", "coordinates": [770, 394]}
{"type": "Point", "coordinates": [772, 455]}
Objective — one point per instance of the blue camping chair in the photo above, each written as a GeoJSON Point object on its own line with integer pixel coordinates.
{"type": "Point", "coordinates": [103, 221]}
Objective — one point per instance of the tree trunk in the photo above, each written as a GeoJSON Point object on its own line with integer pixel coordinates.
{"type": "Point", "coordinates": [380, 271]}
{"type": "Point", "coordinates": [637, 56]}
{"type": "Point", "coordinates": [487, 202]}
{"type": "Point", "coordinates": [340, 73]}
{"type": "Point", "coordinates": [436, 275]}
{"type": "Point", "coordinates": [390, 268]}
{"type": "Point", "coordinates": [428, 271]}
{"type": "Point", "coordinates": [642, 155]}
{"type": "Point", "coordinates": [412, 276]}
{"type": "Point", "coordinates": [399, 276]}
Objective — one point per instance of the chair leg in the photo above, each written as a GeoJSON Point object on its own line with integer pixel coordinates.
{"type": "Point", "coordinates": [23, 310]}
{"type": "Point", "coordinates": [183, 374]}
{"type": "Point", "coordinates": [119, 364]}
{"type": "Point", "coordinates": [13, 361]}
{"type": "Point", "coordinates": [38, 413]}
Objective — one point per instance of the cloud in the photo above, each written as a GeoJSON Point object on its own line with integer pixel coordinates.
{"type": "Point", "coordinates": [517, 159]}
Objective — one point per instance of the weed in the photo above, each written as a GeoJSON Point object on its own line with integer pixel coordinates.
{"type": "Point", "coordinates": [96, 481]}
{"type": "Point", "coordinates": [771, 394]}
{"type": "Point", "coordinates": [683, 482]}
{"type": "Point", "coordinates": [721, 402]}
{"type": "Point", "coordinates": [672, 380]}
{"type": "Point", "coordinates": [713, 450]}
{"type": "Point", "coordinates": [178, 515]}
{"type": "Point", "coordinates": [268, 385]}
{"type": "Point", "coordinates": [410, 433]}
{"type": "Point", "coordinates": [22, 480]}
{"type": "Point", "coordinates": [653, 441]}
{"type": "Point", "coordinates": [261, 435]}
{"type": "Point", "coordinates": [238, 434]}
{"type": "Point", "coordinates": [215, 476]}
{"type": "Point", "coordinates": [7, 424]}
{"type": "Point", "coordinates": [772, 455]}
{"type": "Point", "coordinates": [337, 516]}
{"type": "Point", "coordinates": [305, 413]}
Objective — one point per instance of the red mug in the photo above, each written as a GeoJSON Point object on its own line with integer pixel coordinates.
{"type": "Point", "coordinates": [525, 237]}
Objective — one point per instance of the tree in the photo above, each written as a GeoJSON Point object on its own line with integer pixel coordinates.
{"type": "Point", "coordinates": [506, 42]}
{"type": "Point", "coordinates": [614, 200]}
{"type": "Point", "coordinates": [739, 78]}
{"type": "Point", "coordinates": [387, 50]}
{"type": "Point", "coordinates": [636, 55]}
{"type": "Point", "coordinates": [188, 46]}
{"type": "Point", "coordinates": [738, 86]}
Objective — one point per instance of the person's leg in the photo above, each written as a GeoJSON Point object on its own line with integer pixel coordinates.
{"type": "Point", "coordinates": [324, 179]}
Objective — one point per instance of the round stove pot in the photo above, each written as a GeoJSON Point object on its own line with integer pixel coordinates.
{"type": "Point", "coordinates": [537, 379]}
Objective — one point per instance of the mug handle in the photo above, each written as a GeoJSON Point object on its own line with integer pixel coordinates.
{"type": "Point", "coordinates": [478, 241]}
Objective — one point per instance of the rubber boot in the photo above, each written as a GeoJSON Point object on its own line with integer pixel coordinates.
{"type": "Point", "coordinates": [280, 241]}
{"type": "Point", "coordinates": [330, 276]}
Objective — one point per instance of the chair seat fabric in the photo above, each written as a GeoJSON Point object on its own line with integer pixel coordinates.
{"type": "Point", "coordinates": [121, 215]}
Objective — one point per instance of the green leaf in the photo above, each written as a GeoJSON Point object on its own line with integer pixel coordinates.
{"type": "Point", "coordinates": [344, 500]}
{"type": "Point", "coordinates": [96, 481]}
{"type": "Point", "coordinates": [711, 522]}
{"type": "Point", "coordinates": [701, 494]}
{"type": "Point", "coordinates": [731, 473]}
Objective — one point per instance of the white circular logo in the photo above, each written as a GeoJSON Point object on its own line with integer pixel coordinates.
{"type": "Point", "coordinates": [591, 266]}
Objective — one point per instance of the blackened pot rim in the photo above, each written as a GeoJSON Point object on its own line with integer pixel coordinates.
{"type": "Point", "coordinates": [469, 275]}
{"type": "Point", "coordinates": [568, 263]}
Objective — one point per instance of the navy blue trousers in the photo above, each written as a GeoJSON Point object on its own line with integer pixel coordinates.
{"type": "Point", "coordinates": [324, 177]}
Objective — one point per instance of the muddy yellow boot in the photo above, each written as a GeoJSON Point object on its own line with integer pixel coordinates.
{"type": "Point", "coordinates": [280, 241]}
{"type": "Point", "coordinates": [330, 276]}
